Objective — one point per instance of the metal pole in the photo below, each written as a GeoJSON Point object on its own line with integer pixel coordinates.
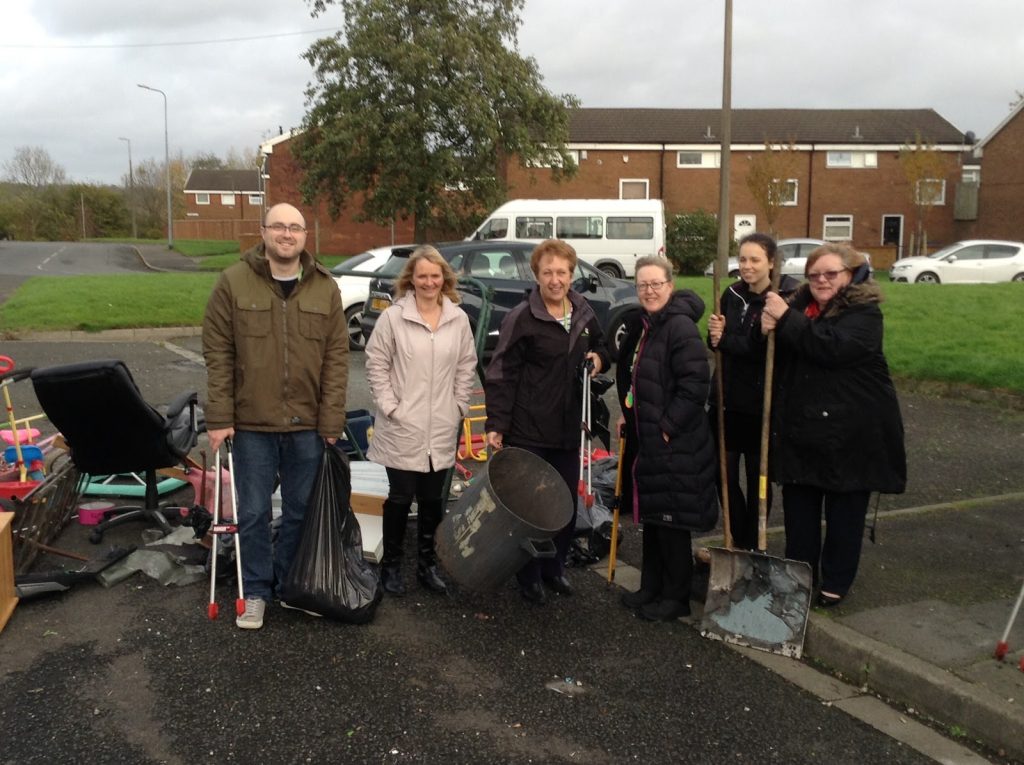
{"type": "Point", "coordinates": [167, 168]}
{"type": "Point", "coordinates": [131, 188]}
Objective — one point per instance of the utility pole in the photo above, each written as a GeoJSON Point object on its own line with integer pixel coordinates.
{"type": "Point", "coordinates": [131, 188]}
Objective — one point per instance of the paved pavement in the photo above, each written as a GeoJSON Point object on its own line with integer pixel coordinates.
{"type": "Point", "coordinates": [919, 629]}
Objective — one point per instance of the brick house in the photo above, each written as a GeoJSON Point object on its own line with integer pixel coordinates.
{"type": "Point", "coordinates": [844, 178]}
{"type": "Point", "coordinates": [221, 204]}
{"type": "Point", "coordinates": [992, 205]}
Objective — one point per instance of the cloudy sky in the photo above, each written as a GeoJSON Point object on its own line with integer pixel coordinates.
{"type": "Point", "coordinates": [233, 75]}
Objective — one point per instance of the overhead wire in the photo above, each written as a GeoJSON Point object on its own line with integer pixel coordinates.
{"type": "Point", "coordinates": [53, 46]}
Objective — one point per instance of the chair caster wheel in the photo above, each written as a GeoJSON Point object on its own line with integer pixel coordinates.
{"type": "Point", "coordinates": [96, 537]}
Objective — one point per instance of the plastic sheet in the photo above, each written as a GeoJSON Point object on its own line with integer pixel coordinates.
{"type": "Point", "coordinates": [328, 575]}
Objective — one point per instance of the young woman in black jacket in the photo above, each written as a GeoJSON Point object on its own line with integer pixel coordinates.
{"type": "Point", "coordinates": [837, 432]}
{"type": "Point", "coordinates": [736, 334]}
{"type": "Point", "coordinates": [669, 463]}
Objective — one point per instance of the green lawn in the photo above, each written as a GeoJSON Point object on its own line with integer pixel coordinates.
{"type": "Point", "coordinates": [947, 333]}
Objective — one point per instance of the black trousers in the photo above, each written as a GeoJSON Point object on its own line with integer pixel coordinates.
{"type": "Point", "coordinates": [406, 485]}
{"type": "Point", "coordinates": [743, 443]}
{"type": "Point", "coordinates": [839, 557]}
{"type": "Point", "coordinates": [667, 566]}
{"type": "Point", "coordinates": [567, 463]}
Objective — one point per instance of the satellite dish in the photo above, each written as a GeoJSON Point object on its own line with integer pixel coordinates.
{"type": "Point", "coordinates": [970, 138]}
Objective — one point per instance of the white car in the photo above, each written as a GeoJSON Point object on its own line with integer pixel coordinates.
{"type": "Point", "coordinates": [969, 261]}
{"type": "Point", "coordinates": [793, 253]}
{"type": "Point", "coordinates": [353, 278]}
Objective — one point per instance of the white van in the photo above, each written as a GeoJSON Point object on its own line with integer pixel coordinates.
{"type": "Point", "coordinates": [610, 234]}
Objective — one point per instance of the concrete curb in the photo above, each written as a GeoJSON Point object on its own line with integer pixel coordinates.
{"type": "Point", "coordinates": [105, 336]}
{"type": "Point", "coordinates": [903, 677]}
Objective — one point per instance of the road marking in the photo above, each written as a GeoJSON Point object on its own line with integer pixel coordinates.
{"type": "Point", "coordinates": [185, 353]}
{"type": "Point", "coordinates": [50, 257]}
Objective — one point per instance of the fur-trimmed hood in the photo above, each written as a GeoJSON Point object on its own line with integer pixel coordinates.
{"type": "Point", "coordinates": [853, 294]}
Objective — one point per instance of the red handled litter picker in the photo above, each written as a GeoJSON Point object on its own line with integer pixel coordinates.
{"type": "Point", "coordinates": [586, 489]}
{"type": "Point", "coordinates": [218, 528]}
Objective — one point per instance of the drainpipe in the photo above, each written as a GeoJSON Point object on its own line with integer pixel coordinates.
{"type": "Point", "coordinates": [810, 190]}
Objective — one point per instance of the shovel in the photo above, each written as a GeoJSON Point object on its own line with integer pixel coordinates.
{"type": "Point", "coordinates": [755, 599]}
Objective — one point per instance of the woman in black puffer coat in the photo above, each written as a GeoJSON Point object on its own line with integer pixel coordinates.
{"type": "Point", "coordinates": [669, 466]}
{"type": "Point", "coordinates": [837, 433]}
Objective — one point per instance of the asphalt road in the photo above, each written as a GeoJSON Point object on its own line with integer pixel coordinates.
{"type": "Point", "coordinates": [138, 674]}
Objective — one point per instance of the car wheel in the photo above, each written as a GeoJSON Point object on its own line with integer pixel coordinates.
{"type": "Point", "coordinates": [927, 278]}
{"type": "Point", "coordinates": [353, 319]}
{"type": "Point", "coordinates": [611, 270]}
{"type": "Point", "coordinates": [616, 334]}
{"type": "Point", "coordinates": [734, 274]}
{"type": "Point", "coordinates": [1018, 278]}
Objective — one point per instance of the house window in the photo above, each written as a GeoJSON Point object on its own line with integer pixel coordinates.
{"type": "Point", "coordinates": [931, 191]}
{"type": "Point", "coordinates": [202, 199]}
{"type": "Point", "coordinates": [687, 159]}
{"type": "Point", "coordinates": [789, 192]}
{"type": "Point", "coordinates": [579, 227]}
{"type": "Point", "coordinates": [228, 200]}
{"type": "Point", "coordinates": [633, 188]}
{"type": "Point", "coordinates": [255, 199]}
{"type": "Point", "coordinates": [533, 227]}
{"type": "Point", "coordinates": [556, 161]}
{"type": "Point", "coordinates": [838, 228]}
{"type": "Point", "coordinates": [634, 227]}
{"type": "Point", "coordinates": [971, 175]}
{"type": "Point", "coordinates": [854, 159]}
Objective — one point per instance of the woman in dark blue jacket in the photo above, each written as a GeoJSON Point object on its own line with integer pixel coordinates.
{"type": "Point", "coordinates": [534, 389]}
{"type": "Point", "coordinates": [736, 334]}
{"type": "Point", "coordinates": [837, 432]}
{"type": "Point", "coordinates": [669, 477]}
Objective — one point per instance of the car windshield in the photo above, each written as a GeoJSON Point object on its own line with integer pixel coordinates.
{"type": "Point", "coordinates": [394, 266]}
{"type": "Point", "coordinates": [355, 264]}
{"type": "Point", "coordinates": [945, 251]}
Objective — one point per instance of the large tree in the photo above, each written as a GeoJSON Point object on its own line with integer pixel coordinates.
{"type": "Point", "coordinates": [925, 170]}
{"type": "Point", "coordinates": [416, 101]}
{"type": "Point", "coordinates": [768, 180]}
{"type": "Point", "coordinates": [36, 186]}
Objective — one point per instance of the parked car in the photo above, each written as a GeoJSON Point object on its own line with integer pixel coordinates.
{"type": "Point", "coordinates": [969, 261]}
{"type": "Point", "coordinates": [504, 266]}
{"type": "Point", "coordinates": [792, 252]}
{"type": "Point", "coordinates": [353, 279]}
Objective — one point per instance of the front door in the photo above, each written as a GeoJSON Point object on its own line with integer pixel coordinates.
{"type": "Point", "coordinates": [892, 233]}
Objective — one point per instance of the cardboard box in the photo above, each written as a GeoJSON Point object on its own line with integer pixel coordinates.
{"type": "Point", "coordinates": [8, 600]}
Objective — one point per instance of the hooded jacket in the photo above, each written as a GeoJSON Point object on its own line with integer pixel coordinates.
{"type": "Point", "coordinates": [421, 381]}
{"type": "Point", "coordinates": [534, 386]}
{"type": "Point", "coordinates": [273, 363]}
{"type": "Point", "coordinates": [743, 346]}
{"type": "Point", "coordinates": [836, 421]}
{"type": "Point", "coordinates": [667, 369]}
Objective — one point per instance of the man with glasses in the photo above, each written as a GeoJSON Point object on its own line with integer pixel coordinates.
{"type": "Point", "coordinates": [276, 350]}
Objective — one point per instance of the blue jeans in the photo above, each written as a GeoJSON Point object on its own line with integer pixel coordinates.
{"type": "Point", "coordinates": [259, 459]}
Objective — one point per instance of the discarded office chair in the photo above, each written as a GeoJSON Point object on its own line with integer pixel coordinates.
{"type": "Point", "coordinates": [109, 428]}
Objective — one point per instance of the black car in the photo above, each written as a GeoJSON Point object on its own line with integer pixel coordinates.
{"type": "Point", "coordinates": [504, 266]}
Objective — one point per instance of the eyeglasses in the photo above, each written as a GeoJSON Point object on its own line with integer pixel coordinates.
{"type": "Point", "coordinates": [654, 286]}
{"type": "Point", "coordinates": [280, 228]}
{"type": "Point", "coordinates": [830, 276]}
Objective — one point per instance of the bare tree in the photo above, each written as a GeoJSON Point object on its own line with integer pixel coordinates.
{"type": "Point", "coordinates": [925, 171]}
{"type": "Point", "coordinates": [35, 198]}
{"type": "Point", "coordinates": [32, 166]}
{"type": "Point", "coordinates": [768, 180]}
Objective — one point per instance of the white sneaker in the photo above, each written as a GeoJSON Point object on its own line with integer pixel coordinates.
{"type": "Point", "coordinates": [252, 619]}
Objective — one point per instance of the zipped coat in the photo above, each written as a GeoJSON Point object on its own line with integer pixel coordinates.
{"type": "Point", "coordinates": [275, 364]}
{"type": "Point", "coordinates": [421, 381]}
{"type": "Point", "coordinates": [671, 483]}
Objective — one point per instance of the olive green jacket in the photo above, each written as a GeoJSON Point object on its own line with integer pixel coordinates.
{"type": "Point", "coordinates": [275, 364]}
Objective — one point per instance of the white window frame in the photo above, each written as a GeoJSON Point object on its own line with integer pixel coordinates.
{"type": "Point", "coordinates": [227, 200]}
{"type": "Point", "coordinates": [255, 199]}
{"type": "Point", "coordinates": [970, 174]}
{"type": "Point", "coordinates": [833, 220]}
{"type": "Point", "coordinates": [790, 199]}
{"type": "Point", "coordinates": [851, 160]}
{"type": "Point", "coordinates": [645, 181]}
{"type": "Point", "coordinates": [202, 198]}
{"type": "Point", "coordinates": [708, 159]}
{"type": "Point", "coordinates": [936, 200]}
{"type": "Point", "coordinates": [556, 161]}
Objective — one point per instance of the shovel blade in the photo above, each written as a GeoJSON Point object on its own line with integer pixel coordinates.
{"type": "Point", "coordinates": [757, 600]}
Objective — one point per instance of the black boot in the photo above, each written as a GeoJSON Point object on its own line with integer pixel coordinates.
{"type": "Point", "coordinates": [428, 516]}
{"type": "Point", "coordinates": [396, 517]}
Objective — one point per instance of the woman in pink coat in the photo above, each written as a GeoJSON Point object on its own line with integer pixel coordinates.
{"type": "Point", "coordinates": [420, 362]}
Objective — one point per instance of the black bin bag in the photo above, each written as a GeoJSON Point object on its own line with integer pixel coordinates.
{"type": "Point", "coordinates": [329, 575]}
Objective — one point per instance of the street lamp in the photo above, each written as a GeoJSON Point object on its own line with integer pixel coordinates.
{"type": "Point", "coordinates": [167, 167]}
{"type": "Point", "coordinates": [131, 187]}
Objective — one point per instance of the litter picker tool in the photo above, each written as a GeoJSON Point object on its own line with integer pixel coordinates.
{"type": "Point", "coordinates": [586, 489]}
{"type": "Point", "coordinates": [1003, 645]}
{"type": "Point", "coordinates": [755, 599]}
{"type": "Point", "coordinates": [219, 528]}
{"type": "Point", "coordinates": [616, 504]}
